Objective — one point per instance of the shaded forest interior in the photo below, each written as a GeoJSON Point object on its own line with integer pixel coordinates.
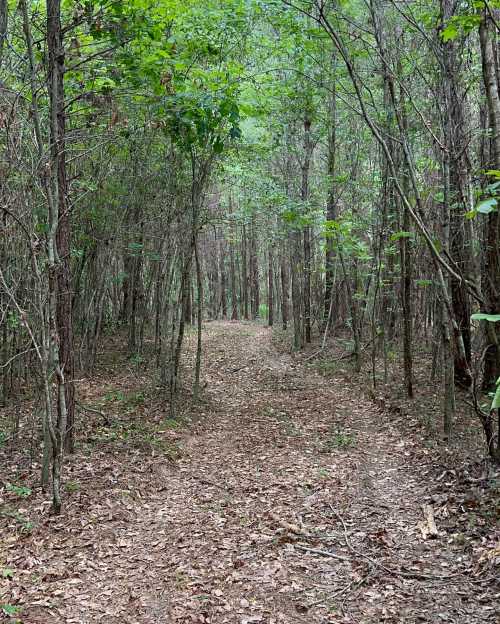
{"type": "Point", "coordinates": [221, 213]}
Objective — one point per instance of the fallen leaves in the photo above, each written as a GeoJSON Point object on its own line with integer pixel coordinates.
{"type": "Point", "coordinates": [257, 520]}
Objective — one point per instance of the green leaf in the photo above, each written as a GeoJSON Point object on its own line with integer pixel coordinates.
{"type": "Point", "coordinates": [449, 33]}
{"type": "Point", "coordinates": [9, 609]}
{"type": "Point", "coordinates": [397, 235]}
{"type": "Point", "coordinates": [487, 206]}
{"type": "Point", "coordinates": [495, 404]}
{"type": "Point", "coordinates": [481, 316]}
{"type": "Point", "coordinates": [22, 491]}
{"type": "Point", "coordinates": [7, 573]}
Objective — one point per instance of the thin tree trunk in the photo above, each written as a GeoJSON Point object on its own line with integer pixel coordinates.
{"type": "Point", "coordinates": [270, 289]}
{"type": "Point", "coordinates": [244, 276]}
{"type": "Point", "coordinates": [457, 183]}
{"type": "Point", "coordinates": [304, 195]}
{"type": "Point", "coordinates": [199, 287]}
{"type": "Point", "coordinates": [222, 269]}
{"type": "Point", "coordinates": [331, 205]}
{"type": "Point", "coordinates": [491, 277]}
{"type": "Point", "coordinates": [284, 288]}
{"type": "Point", "coordinates": [58, 252]}
{"type": "Point", "coordinates": [234, 297]}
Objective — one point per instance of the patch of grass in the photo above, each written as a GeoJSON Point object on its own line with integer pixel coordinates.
{"type": "Point", "coordinates": [71, 486]}
{"type": "Point", "coordinates": [129, 402]}
{"type": "Point", "coordinates": [170, 423]}
{"type": "Point", "coordinates": [25, 525]}
{"type": "Point", "coordinates": [392, 356]}
{"type": "Point", "coordinates": [114, 396]}
{"type": "Point", "coordinates": [327, 367]}
{"type": "Point", "coordinates": [137, 359]}
{"type": "Point", "coordinates": [289, 427]}
{"type": "Point", "coordinates": [339, 440]}
{"type": "Point", "coordinates": [140, 435]}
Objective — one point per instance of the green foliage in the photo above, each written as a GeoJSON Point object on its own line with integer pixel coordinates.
{"type": "Point", "coordinates": [13, 320]}
{"type": "Point", "coordinates": [19, 490]}
{"type": "Point", "coordinates": [115, 395]}
{"type": "Point", "coordinates": [140, 435]}
{"type": "Point", "coordinates": [10, 610]}
{"type": "Point", "coordinates": [327, 366]}
{"type": "Point", "coordinates": [495, 404]}
{"type": "Point", "coordinates": [171, 423]}
{"type": "Point", "coordinates": [137, 359]}
{"type": "Point", "coordinates": [489, 204]}
{"type": "Point", "coordinates": [398, 235]}
{"type": "Point", "coordinates": [486, 206]}
{"type": "Point", "coordinates": [464, 22]}
{"type": "Point", "coordinates": [72, 486]}
{"type": "Point", "coordinates": [25, 525]}
{"type": "Point", "coordinates": [263, 311]}
{"type": "Point", "coordinates": [481, 316]}
{"type": "Point", "coordinates": [340, 440]}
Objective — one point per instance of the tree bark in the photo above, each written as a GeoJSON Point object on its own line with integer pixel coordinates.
{"type": "Point", "coordinates": [234, 297]}
{"type": "Point", "coordinates": [270, 289]}
{"type": "Point", "coordinates": [244, 272]}
{"type": "Point", "coordinates": [331, 205]}
{"type": "Point", "coordinates": [222, 269]}
{"type": "Point", "coordinates": [456, 185]}
{"type": "Point", "coordinates": [304, 195]}
{"type": "Point", "coordinates": [491, 274]}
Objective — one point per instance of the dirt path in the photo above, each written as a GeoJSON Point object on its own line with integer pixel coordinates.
{"type": "Point", "coordinates": [293, 502]}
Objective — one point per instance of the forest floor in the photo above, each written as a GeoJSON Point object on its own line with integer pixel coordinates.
{"type": "Point", "coordinates": [280, 498]}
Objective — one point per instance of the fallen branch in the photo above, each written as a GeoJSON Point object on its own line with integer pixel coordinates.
{"type": "Point", "coordinates": [428, 526]}
{"type": "Point", "coordinates": [324, 553]}
{"type": "Point", "coordinates": [402, 573]}
{"type": "Point", "coordinates": [92, 410]}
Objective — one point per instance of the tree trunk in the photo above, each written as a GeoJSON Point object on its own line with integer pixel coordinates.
{"type": "Point", "coordinates": [59, 253]}
{"type": "Point", "coordinates": [304, 195]}
{"type": "Point", "coordinates": [491, 276]}
{"type": "Point", "coordinates": [331, 206]}
{"type": "Point", "coordinates": [222, 269]}
{"type": "Point", "coordinates": [244, 275]}
{"type": "Point", "coordinates": [457, 183]}
{"type": "Point", "coordinates": [63, 235]}
{"type": "Point", "coordinates": [234, 297]}
{"type": "Point", "coordinates": [270, 289]}
{"type": "Point", "coordinates": [4, 16]}
{"type": "Point", "coordinates": [254, 274]}
{"type": "Point", "coordinates": [284, 288]}
{"type": "Point", "coordinates": [199, 315]}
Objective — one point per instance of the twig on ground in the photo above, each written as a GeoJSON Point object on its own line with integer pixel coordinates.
{"type": "Point", "coordinates": [324, 553]}
{"type": "Point", "coordinates": [92, 410]}
{"type": "Point", "coordinates": [402, 573]}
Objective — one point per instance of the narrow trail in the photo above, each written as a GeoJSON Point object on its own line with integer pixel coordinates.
{"type": "Point", "coordinates": [283, 466]}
